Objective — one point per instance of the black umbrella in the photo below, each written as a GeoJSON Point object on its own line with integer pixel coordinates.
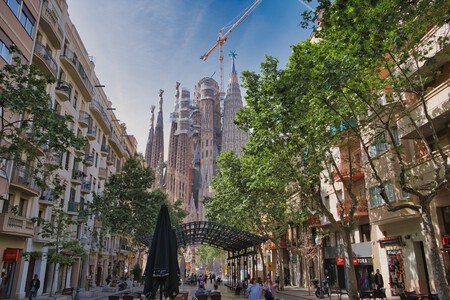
{"type": "Point", "coordinates": [162, 263]}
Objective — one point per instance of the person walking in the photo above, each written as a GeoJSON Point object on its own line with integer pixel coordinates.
{"type": "Point", "coordinates": [254, 290]}
{"type": "Point", "coordinates": [34, 286]}
{"type": "Point", "coordinates": [269, 288]}
{"type": "Point", "coordinates": [378, 280]}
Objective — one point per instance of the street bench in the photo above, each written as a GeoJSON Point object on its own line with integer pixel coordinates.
{"type": "Point", "coordinates": [338, 291]}
{"type": "Point", "coordinates": [67, 292]}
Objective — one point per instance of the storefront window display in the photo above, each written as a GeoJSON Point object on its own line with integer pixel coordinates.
{"type": "Point", "coordinates": [396, 271]}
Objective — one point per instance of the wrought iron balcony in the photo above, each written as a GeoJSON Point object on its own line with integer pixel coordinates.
{"type": "Point", "coordinates": [63, 90]}
{"type": "Point", "coordinates": [73, 65]}
{"type": "Point", "coordinates": [101, 116]}
{"type": "Point", "coordinates": [22, 180]}
{"type": "Point", "coordinates": [51, 25]}
{"type": "Point", "coordinates": [43, 58]}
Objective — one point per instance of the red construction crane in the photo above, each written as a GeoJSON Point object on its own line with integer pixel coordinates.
{"type": "Point", "coordinates": [223, 38]}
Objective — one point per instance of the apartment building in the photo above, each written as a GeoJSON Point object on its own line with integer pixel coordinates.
{"type": "Point", "coordinates": [394, 242]}
{"type": "Point", "coordinates": [44, 33]}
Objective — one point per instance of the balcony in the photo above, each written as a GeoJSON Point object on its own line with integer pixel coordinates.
{"type": "Point", "coordinates": [360, 211]}
{"type": "Point", "coordinates": [85, 187]}
{"type": "Point", "coordinates": [63, 90]}
{"type": "Point", "coordinates": [112, 252]}
{"type": "Point", "coordinates": [84, 119]}
{"type": "Point", "coordinates": [37, 237]}
{"type": "Point", "coordinates": [438, 105]}
{"type": "Point", "coordinates": [314, 221]}
{"type": "Point", "coordinates": [114, 141]}
{"type": "Point", "coordinates": [91, 133]}
{"type": "Point", "coordinates": [104, 150]}
{"type": "Point", "coordinates": [23, 181]}
{"type": "Point", "coordinates": [77, 177]}
{"type": "Point", "coordinates": [46, 197]}
{"type": "Point", "coordinates": [43, 58]}
{"type": "Point", "coordinates": [355, 174]}
{"type": "Point", "coordinates": [98, 112]}
{"type": "Point", "coordinates": [16, 225]}
{"type": "Point", "coordinates": [50, 25]}
{"type": "Point", "coordinates": [109, 159]}
{"type": "Point", "coordinates": [73, 208]}
{"type": "Point", "coordinates": [53, 158]}
{"type": "Point", "coordinates": [89, 160]}
{"type": "Point", "coordinates": [102, 173]}
{"type": "Point", "coordinates": [70, 61]}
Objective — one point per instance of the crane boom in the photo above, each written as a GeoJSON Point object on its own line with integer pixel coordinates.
{"type": "Point", "coordinates": [222, 39]}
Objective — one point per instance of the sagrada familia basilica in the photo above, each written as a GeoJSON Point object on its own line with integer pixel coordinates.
{"type": "Point", "coordinates": [198, 134]}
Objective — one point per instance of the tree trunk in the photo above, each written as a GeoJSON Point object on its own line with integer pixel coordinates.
{"type": "Point", "coordinates": [352, 287]}
{"type": "Point", "coordinates": [280, 268]}
{"type": "Point", "coordinates": [435, 261]}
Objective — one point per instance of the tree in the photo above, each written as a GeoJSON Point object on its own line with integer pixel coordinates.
{"type": "Point", "coordinates": [128, 207]}
{"type": "Point", "coordinates": [30, 128]}
{"type": "Point", "coordinates": [58, 233]}
{"type": "Point", "coordinates": [398, 62]}
{"type": "Point", "coordinates": [252, 196]}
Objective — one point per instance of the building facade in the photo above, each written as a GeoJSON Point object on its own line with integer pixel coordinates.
{"type": "Point", "coordinates": [43, 31]}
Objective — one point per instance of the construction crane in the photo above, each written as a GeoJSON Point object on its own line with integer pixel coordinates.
{"type": "Point", "coordinates": [223, 38]}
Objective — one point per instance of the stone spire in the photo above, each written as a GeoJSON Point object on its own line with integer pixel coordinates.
{"type": "Point", "coordinates": [157, 157]}
{"type": "Point", "coordinates": [151, 132]}
{"type": "Point", "coordinates": [233, 139]}
{"type": "Point", "coordinates": [173, 147]}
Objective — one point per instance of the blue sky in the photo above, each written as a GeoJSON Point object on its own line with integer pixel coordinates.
{"type": "Point", "coordinates": [142, 46]}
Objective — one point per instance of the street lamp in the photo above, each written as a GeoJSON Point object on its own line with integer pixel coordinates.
{"type": "Point", "coordinates": [83, 241]}
{"type": "Point", "coordinates": [318, 241]}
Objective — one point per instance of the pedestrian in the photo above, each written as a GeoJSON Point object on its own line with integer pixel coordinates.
{"type": "Point", "coordinates": [34, 286]}
{"type": "Point", "coordinates": [254, 290]}
{"type": "Point", "coordinates": [269, 288]}
{"type": "Point", "coordinates": [378, 280]}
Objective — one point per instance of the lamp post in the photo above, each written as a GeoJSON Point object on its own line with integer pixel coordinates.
{"type": "Point", "coordinates": [318, 241]}
{"type": "Point", "coordinates": [80, 267]}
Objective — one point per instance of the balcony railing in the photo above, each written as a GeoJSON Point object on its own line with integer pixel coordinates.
{"type": "Point", "coordinates": [102, 173]}
{"type": "Point", "coordinates": [73, 207]}
{"type": "Point", "coordinates": [104, 149]}
{"type": "Point", "coordinates": [81, 73]}
{"type": "Point", "coordinates": [86, 187]}
{"type": "Point", "coordinates": [91, 132]}
{"type": "Point", "coordinates": [22, 178]}
{"type": "Point", "coordinates": [46, 197]}
{"type": "Point", "coordinates": [48, 61]}
{"type": "Point", "coordinates": [84, 119]}
{"type": "Point", "coordinates": [53, 158]}
{"type": "Point", "coordinates": [77, 176]}
{"type": "Point", "coordinates": [355, 173]}
{"type": "Point", "coordinates": [63, 89]}
{"type": "Point", "coordinates": [16, 225]}
{"type": "Point", "coordinates": [361, 208]}
{"type": "Point", "coordinates": [115, 142]}
{"type": "Point", "coordinates": [102, 117]}
{"type": "Point", "coordinates": [89, 160]}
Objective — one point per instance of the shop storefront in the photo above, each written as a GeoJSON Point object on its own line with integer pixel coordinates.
{"type": "Point", "coordinates": [10, 266]}
{"type": "Point", "coordinates": [393, 246]}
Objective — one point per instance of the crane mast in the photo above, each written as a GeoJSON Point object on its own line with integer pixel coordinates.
{"type": "Point", "coordinates": [222, 39]}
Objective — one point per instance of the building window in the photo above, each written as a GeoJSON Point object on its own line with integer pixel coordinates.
{"type": "Point", "coordinates": [22, 12]}
{"type": "Point", "coordinates": [14, 5]}
{"type": "Point", "coordinates": [379, 146]}
{"type": "Point", "coordinates": [375, 197]}
{"type": "Point", "coordinates": [364, 230]}
{"type": "Point", "coordinates": [66, 165]}
{"type": "Point", "coordinates": [395, 135]}
{"type": "Point", "coordinates": [5, 53]}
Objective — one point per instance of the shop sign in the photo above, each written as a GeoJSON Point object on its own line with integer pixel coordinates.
{"type": "Point", "coordinates": [391, 241]}
{"type": "Point", "coordinates": [340, 261]}
{"type": "Point", "coordinates": [11, 255]}
{"type": "Point", "coordinates": [362, 261]}
{"type": "Point", "coordinates": [446, 241]}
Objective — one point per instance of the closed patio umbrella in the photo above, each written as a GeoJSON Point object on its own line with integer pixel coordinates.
{"type": "Point", "coordinates": [162, 264]}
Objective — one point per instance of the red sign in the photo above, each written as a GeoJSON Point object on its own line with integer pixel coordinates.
{"type": "Point", "coordinates": [446, 241]}
{"type": "Point", "coordinates": [355, 261]}
{"type": "Point", "coordinates": [11, 255]}
{"type": "Point", "coordinates": [340, 261]}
